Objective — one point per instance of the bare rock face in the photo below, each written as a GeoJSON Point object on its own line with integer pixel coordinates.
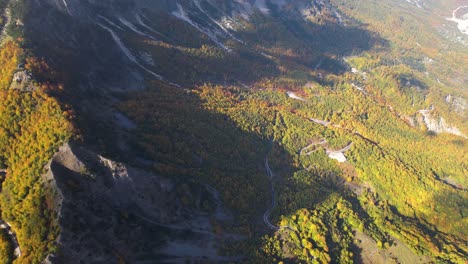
{"type": "Point", "coordinates": [109, 212]}
{"type": "Point", "coordinates": [440, 126]}
{"type": "Point", "coordinates": [457, 103]}
{"type": "Point", "coordinates": [232, 8]}
{"type": "Point", "coordinates": [22, 80]}
{"type": "Point", "coordinates": [90, 35]}
{"type": "Point", "coordinates": [436, 125]}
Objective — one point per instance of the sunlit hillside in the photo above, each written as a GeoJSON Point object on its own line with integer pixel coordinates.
{"type": "Point", "coordinates": [205, 131]}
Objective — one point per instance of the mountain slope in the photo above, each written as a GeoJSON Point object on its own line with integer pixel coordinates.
{"type": "Point", "coordinates": [234, 131]}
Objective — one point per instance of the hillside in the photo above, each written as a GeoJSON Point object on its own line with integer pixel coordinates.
{"type": "Point", "coordinates": [206, 131]}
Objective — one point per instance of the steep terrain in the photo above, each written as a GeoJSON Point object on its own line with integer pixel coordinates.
{"type": "Point", "coordinates": [257, 131]}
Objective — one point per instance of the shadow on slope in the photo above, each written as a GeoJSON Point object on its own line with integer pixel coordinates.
{"type": "Point", "coordinates": [193, 135]}
{"type": "Point", "coordinates": [182, 54]}
{"type": "Point", "coordinates": [96, 72]}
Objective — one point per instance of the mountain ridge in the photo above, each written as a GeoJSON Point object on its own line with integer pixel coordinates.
{"type": "Point", "coordinates": [171, 106]}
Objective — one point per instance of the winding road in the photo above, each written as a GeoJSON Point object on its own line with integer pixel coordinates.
{"type": "Point", "coordinates": [295, 96]}
{"type": "Point", "coordinates": [340, 150]}
{"type": "Point", "coordinates": [311, 148]}
{"type": "Point", "coordinates": [320, 122]}
{"type": "Point", "coordinates": [266, 215]}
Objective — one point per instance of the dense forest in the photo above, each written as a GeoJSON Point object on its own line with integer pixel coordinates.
{"type": "Point", "coordinates": [348, 197]}
{"type": "Point", "coordinates": [33, 125]}
{"type": "Point", "coordinates": [316, 124]}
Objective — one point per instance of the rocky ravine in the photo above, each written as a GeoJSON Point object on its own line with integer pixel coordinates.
{"type": "Point", "coordinates": [109, 212]}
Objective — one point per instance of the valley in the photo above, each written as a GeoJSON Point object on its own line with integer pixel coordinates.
{"type": "Point", "coordinates": [204, 131]}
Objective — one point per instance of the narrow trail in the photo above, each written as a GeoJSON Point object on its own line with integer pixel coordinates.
{"type": "Point", "coordinates": [266, 215]}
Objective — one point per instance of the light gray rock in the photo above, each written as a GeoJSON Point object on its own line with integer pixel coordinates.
{"type": "Point", "coordinates": [22, 80]}
{"type": "Point", "coordinates": [438, 124]}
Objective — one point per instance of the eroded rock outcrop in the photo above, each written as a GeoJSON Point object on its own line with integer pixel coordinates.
{"type": "Point", "coordinates": [109, 211]}
{"type": "Point", "coordinates": [438, 124]}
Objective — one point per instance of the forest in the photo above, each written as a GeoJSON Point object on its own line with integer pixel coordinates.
{"type": "Point", "coordinates": [394, 189]}
{"type": "Point", "coordinates": [291, 94]}
{"type": "Point", "coordinates": [336, 199]}
{"type": "Point", "coordinates": [32, 127]}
